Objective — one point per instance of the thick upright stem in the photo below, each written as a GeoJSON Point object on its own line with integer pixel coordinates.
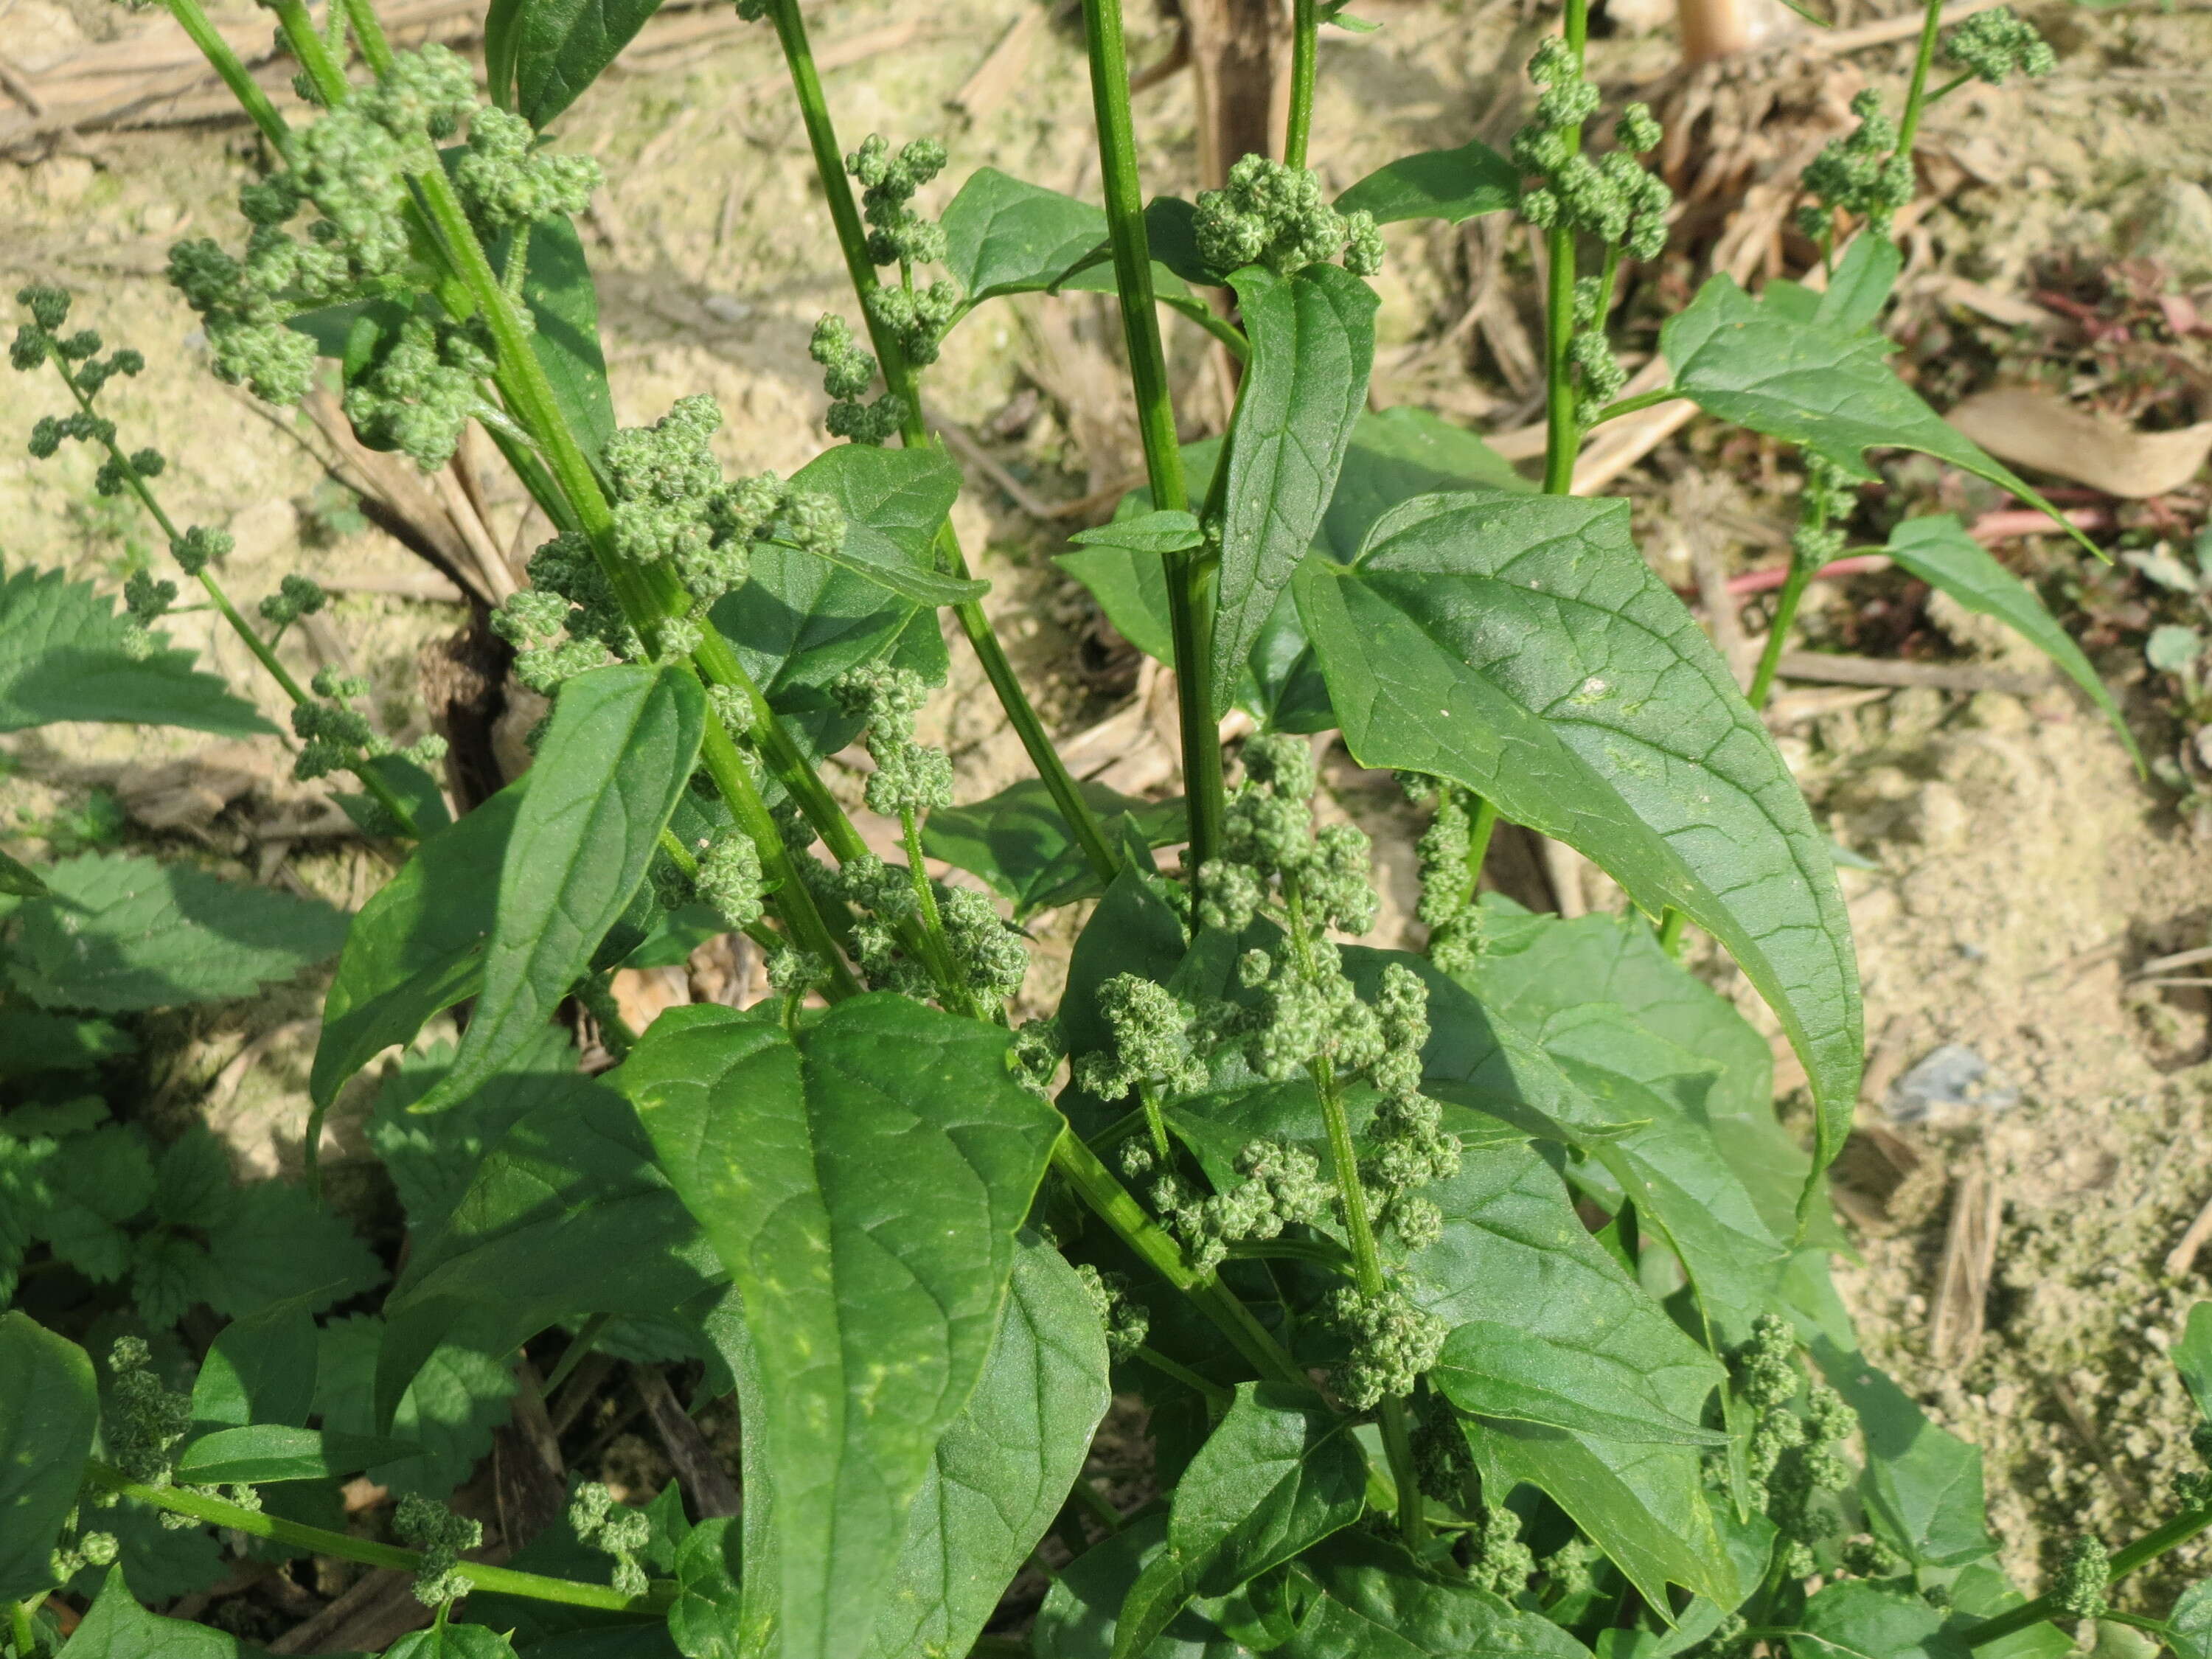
{"type": "Point", "coordinates": [19, 1628]}
{"type": "Point", "coordinates": [1190, 591]}
{"type": "Point", "coordinates": [1924, 60]}
{"type": "Point", "coordinates": [1802, 572]}
{"type": "Point", "coordinates": [225, 62]}
{"type": "Point", "coordinates": [1563, 427]}
{"type": "Point", "coordinates": [1306, 49]}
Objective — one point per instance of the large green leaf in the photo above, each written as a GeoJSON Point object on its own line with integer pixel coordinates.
{"type": "Point", "coordinates": [1005, 1466]}
{"type": "Point", "coordinates": [864, 1191]}
{"type": "Point", "coordinates": [1375, 1603]}
{"type": "Point", "coordinates": [257, 1453]}
{"type": "Point", "coordinates": [49, 1407]}
{"type": "Point", "coordinates": [894, 499]}
{"type": "Point", "coordinates": [617, 754]}
{"type": "Point", "coordinates": [564, 305]}
{"type": "Point", "coordinates": [1451, 185]}
{"type": "Point", "coordinates": [417, 946]}
{"type": "Point", "coordinates": [458, 1398]}
{"type": "Point", "coordinates": [1826, 386]}
{"type": "Point", "coordinates": [1520, 646]}
{"type": "Point", "coordinates": [1547, 1327]}
{"type": "Point", "coordinates": [1004, 236]}
{"type": "Point", "coordinates": [1313, 342]}
{"type": "Point", "coordinates": [66, 655]}
{"type": "Point", "coordinates": [1279, 1473]}
{"type": "Point", "coordinates": [705, 1618]}
{"type": "Point", "coordinates": [1921, 1485]}
{"type": "Point", "coordinates": [462, 1642]}
{"type": "Point", "coordinates": [117, 934]}
{"type": "Point", "coordinates": [1019, 844]}
{"type": "Point", "coordinates": [117, 1627]}
{"type": "Point", "coordinates": [1078, 1618]}
{"type": "Point", "coordinates": [1940, 553]}
{"type": "Point", "coordinates": [260, 1370]}
{"type": "Point", "coordinates": [549, 51]}
{"type": "Point", "coordinates": [1855, 1620]}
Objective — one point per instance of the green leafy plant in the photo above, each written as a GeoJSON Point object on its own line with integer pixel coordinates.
{"type": "Point", "coordinates": [1470, 1293]}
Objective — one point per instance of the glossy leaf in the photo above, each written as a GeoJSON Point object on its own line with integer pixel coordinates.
{"type": "Point", "coordinates": [1522, 647]}
{"type": "Point", "coordinates": [118, 933]}
{"type": "Point", "coordinates": [117, 1627]}
{"type": "Point", "coordinates": [1940, 553]}
{"type": "Point", "coordinates": [1005, 1467]}
{"type": "Point", "coordinates": [1158, 532]}
{"type": "Point", "coordinates": [417, 946]}
{"type": "Point", "coordinates": [48, 1409]}
{"type": "Point", "coordinates": [66, 655]}
{"type": "Point", "coordinates": [1450, 185]}
{"type": "Point", "coordinates": [1279, 1474]}
{"type": "Point", "coordinates": [1855, 1620]}
{"type": "Point", "coordinates": [550, 51]}
{"type": "Point", "coordinates": [864, 1189]}
{"type": "Point", "coordinates": [1018, 842]}
{"type": "Point", "coordinates": [1827, 388]}
{"type": "Point", "coordinates": [262, 1452]}
{"type": "Point", "coordinates": [260, 1370]}
{"type": "Point", "coordinates": [618, 754]}
{"type": "Point", "coordinates": [2191, 1623]}
{"type": "Point", "coordinates": [1004, 236]}
{"type": "Point", "coordinates": [1313, 343]}
{"type": "Point", "coordinates": [1921, 1485]}
{"type": "Point", "coordinates": [1375, 1603]}
{"type": "Point", "coordinates": [1547, 1327]}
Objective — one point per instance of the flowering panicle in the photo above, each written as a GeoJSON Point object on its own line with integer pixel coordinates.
{"type": "Point", "coordinates": [847, 371]}
{"type": "Point", "coordinates": [1991, 45]}
{"type": "Point", "coordinates": [1276, 216]}
{"type": "Point", "coordinates": [441, 1535]}
{"type": "Point", "coordinates": [1127, 1321]}
{"type": "Point", "coordinates": [613, 1529]}
{"type": "Point", "coordinates": [1790, 1459]}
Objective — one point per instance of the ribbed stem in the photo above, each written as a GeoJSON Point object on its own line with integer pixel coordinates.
{"type": "Point", "coordinates": [225, 62]}
{"type": "Point", "coordinates": [1562, 428]}
{"type": "Point", "coordinates": [1305, 48]}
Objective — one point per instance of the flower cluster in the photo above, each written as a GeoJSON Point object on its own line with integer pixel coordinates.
{"type": "Point", "coordinates": [897, 236]}
{"type": "Point", "coordinates": [1503, 1560]}
{"type": "Point", "coordinates": [985, 952]}
{"type": "Point", "coordinates": [335, 737]}
{"type": "Point", "coordinates": [506, 183]}
{"type": "Point", "coordinates": [910, 778]}
{"type": "Point", "coordinates": [1790, 1459]}
{"type": "Point", "coordinates": [730, 880]}
{"type": "Point", "coordinates": [1155, 1042]}
{"type": "Point", "coordinates": [147, 1419]}
{"type": "Point", "coordinates": [1280, 1186]}
{"type": "Point", "coordinates": [1616, 198]}
{"type": "Point", "coordinates": [1126, 1322]}
{"type": "Point", "coordinates": [1830, 494]}
{"type": "Point", "coordinates": [1447, 908]}
{"type": "Point", "coordinates": [1276, 216]}
{"type": "Point", "coordinates": [295, 597]}
{"type": "Point", "coordinates": [613, 1529]}
{"type": "Point", "coordinates": [1861, 173]}
{"type": "Point", "coordinates": [419, 396]}
{"type": "Point", "coordinates": [847, 371]}
{"type": "Point", "coordinates": [2084, 1571]}
{"type": "Point", "coordinates": [1992, 45]}
{"type": "Point", "coordinates": [441, 1535]}
{"type": "Point", "coordinates": [40, 341]}
{"type": "Point", "coordinates": [916, 317]}
{"type": "Point", "coordinates": [1393, 1343]}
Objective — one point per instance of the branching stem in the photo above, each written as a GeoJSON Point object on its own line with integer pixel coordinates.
{"type": "Point", "coordinates": [1563, 427]}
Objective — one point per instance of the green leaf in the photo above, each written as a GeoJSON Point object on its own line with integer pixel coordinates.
{"type": "Point", "coordinates": [452, 1641]}
{"type": "Point", "coordinates": [64, 655]}
{"type": "Point", "coordinates": [1005, 1467]}
{"type": "Point", "coordinates": [19, 880]}
{"type": "Point", "coordinates": [1520, 646]}
{"type": "Point", "coordinates": [1982, 1591]}
{"type": "Point", "coordinates": [1451, 185]}
{"type": "Point", "coordinates": [1828, 389]}
{"type": "Point", "coordinates": [1280, 1473]}
{"type": "Point", "coordinates": [417, 946]}
{"type": "Point", "coordinates": [1921, 1485]}
{"type": "Point", "coordinates": [1159, 532]}
{"type": "Point", "coordinates": [1313, 343]}
{"type": "Point", "coordinates": [564, 304]}
{"type": "Point", "coordinates": [703, 1621]}
{"type": "Point", "coordinates": [1855, 1620]}
{"type": "Point", "coordinates": [117, 1627]}
{"type": "Point", "coordinates": [1375, 1603]}
{"type": "Point", "coordinates": [260, 1370]}
{"type": "Point", "coordinates": [1861, 286]}
{"type": "Point", "coordinates": [864, 1192]}
{"type": "Point", "coordinates": [1018, 842]}
{"type": "Point", "coordinates": [48, 1409]}
{"type": "Point", "coordinates": [273, 1244]}
{"type": "Point", "coordinates": [1642, 1503]}
{"type": "Point", "coordinates": [1003, 235]}
{"type": "Point", "coordinates": [1940, 552]}
{"type": "Point", "coordinates": [120, 933]}
{"type": "Point", "coordinates": [1548, 1327]}
{"type": "Point", "coordinates": [2189, 1626]}
{"type": "Point", "coordinates": [31, 1043]}
{"type": "Point", "coordinates": [275, 1452]}
{"type": "Point", "coordinates": [2192, 1357]}
{"type": "Point", "coordinates": [551, 50]}
{"type": "Point", "coordinates": [456, 1399]}
{"type": "Point", "coordinates": [418, 792]}
{"type": "Point", "coordinates": [615, 759]}
{"type": "Point", "coordinates": [1077, 1619]}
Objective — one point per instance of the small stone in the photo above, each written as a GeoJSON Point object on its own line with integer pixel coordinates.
{"type": "Point", "coordinates": [1952, 1080]}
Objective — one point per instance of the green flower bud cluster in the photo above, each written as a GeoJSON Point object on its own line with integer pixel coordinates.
{"type": "Point", "coordinates": [82, 1550]}
{"type": "Point", "coordinates": [2084, 1571]}
{"type": "Point", "coordinates": [1616, 198]}
{"type": "Point", "coordinates": [1503, 1561]}
{"type": "Point", "coordinates": [1868, 1556]}
{"type": "Point", "coordinates": [199, 547]}
{"type": "Point", "coordinates": [1442, 1462]}
{"type": "Point", "coordinates": [1393, 1343]}
{"type": "Point", "coordinates": [421, 394]}
{"type": "Point", "coordinates": [335, 737]}
{"type": "Point", "coordinates": [1155, 1038]}
{"type": "Point", "coordinates": [1267, 840]}
{"type": "Point", "coordinates": [1276, 216]}
{"type": "Point", "coordinates": [1861, 173]}
{"type": "Point", "coordinates": [916, 317]}
{"type": "Point", "coordinates": [295, 597]}
{"type": "Point", "coordinates": [897, 236]}
{"type": "Point", "coordinates": [730, 880]}
{"type": "Point", "coordinates": [441, 1536]}
{"type": "Point", "coordinates": [39, 342]}
{"type": "Point", "coordinates": [1599, 376]}
{"type": "Point", "coordinates": [1035, 1054]}
{"type": "Point", "coordinates": [567, 621]}
{"type": "Point", "coordinates": [148, 1418]}
{"type": "Point", "coordinates": [613, 1529]}
{"type": "Point", "coordinates": [1281, 1186]}
{"type": "Point", "coordinates": [792, 972]}
{"type": "Point", "coordinates": [910, 778]}
{"type": "Point", "coordinates": [147, 601]}
{"type": "Point", "coordinates": [1996, 44]}
{"type": "Point", "coordinates": [847, 371]}
{"type": "Point", "coordinates": [986, 952]}
{"type": "Point", "coordinates": [505, 184]}
{"type": "Point", "coordinates": [1125, 1320]}
{"type": "Point", "coordinates": [1790, 1459]}
{"type": "Point", "coordinates": [1448, 890]}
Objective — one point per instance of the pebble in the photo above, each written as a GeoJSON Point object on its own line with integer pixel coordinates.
{"type": "Point", "coordinates": [1951, 1080]}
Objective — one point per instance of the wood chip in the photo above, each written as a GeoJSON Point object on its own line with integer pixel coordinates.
{"type": "Point", "coordinates": [1874, 671]}
{"type": "Point", "coordinates": [2037, 429]}
{"type": "Point", "coordinates": [698, 1467]}
{"type": "Point", "coordinates": [1959, 1314]}
{"type": "Point", "coordinates": [2182, 1256]}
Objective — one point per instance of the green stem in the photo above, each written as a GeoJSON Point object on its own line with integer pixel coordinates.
{"type": "Point", "coordinates": [1305, 42]}
{"type": "Point", "coordinates": [580, 1346]}
{"type": "Point", "coordinates": [1924, 60]}
{"type": "Point", "coordinates": [19, 1626]}
{"type": "Point", "coordinates": [313, 53]}
{"type": "Point", "coordinates": [1629, 405]}
{"type": "Point", "coordinates": [1563, 429]}
{"type": "Point", "coordinates": [2145, 1550]}
{"type": "Point", "coordinates": [1214, 1394]}
{"type": "Point", "coordinates": [225, 62]}
{"type": "Point", "coordinates": [898, 379]}
{"type": "Point", "coordinates": [1777, 632]}
{"type": "Point", "coordinates": [1478, 843]}
{"type": "Point", "coordinates": [275, 1530]}
{"type": "Point", "coordinates": [1190, 596]}
{"type": "Point", "coordinates": [1947, 88]}
{"type": "Point", "coordinates": [1148, 1100]}
{"type": "Point", "coordinates": [1112, 1203]}
{"type": "Point", "coordinates": [1671, 921]}
{"type": "Point", "coordinates": [937, 958]}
